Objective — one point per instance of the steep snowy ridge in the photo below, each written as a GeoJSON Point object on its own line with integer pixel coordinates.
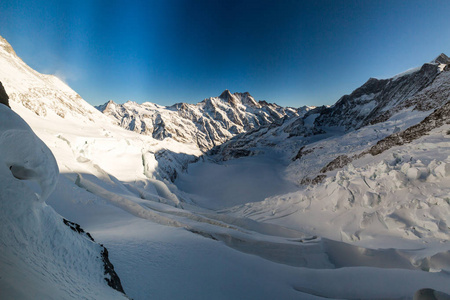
{"type": "Point", "coordinates": [325, 138]}
{"type": "Point", "coordinates": [207, 124]}
{"type": "Point", "coordinates": [374, 101]}
{"type": "Point", "coordinates": [40, 93]}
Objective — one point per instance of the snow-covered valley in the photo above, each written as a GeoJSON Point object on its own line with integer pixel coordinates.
{"type": "Point", "coordinates": [317, 203]}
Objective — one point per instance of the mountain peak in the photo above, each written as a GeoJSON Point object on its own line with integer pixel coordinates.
{"type": "Point", "coordinates": [6, 46]}
{"type": "Point", "coordinates": [229, 98]}
{"type": "Point", "coordinates": [226, 95]}
{"type": "Point", "coordinates": [110, 105]}
{"type": "Point", "coordinates": [248, 100]}
{"type": "Point", "coordinates": [442, 59]}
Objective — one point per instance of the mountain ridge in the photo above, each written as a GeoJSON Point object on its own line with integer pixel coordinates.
{"type": "Point", "coordinates": [207, 123]}
{"type": "Point", "coordinates": [40, 93]}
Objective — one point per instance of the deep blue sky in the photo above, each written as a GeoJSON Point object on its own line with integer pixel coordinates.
{"type": "Point", "coordinates": [290, 52]}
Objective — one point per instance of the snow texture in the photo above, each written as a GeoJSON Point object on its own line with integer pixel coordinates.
{"type": "Point", "coordinates": [40, 257]}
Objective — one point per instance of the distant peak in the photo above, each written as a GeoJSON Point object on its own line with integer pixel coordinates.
{"type": "Point", "coordinates": [225, 95]}
{"type": "Point", "coordinates": [108, 105]}
{"type": "Point", "coordinates": [442, 59]}
{"type": "Point", "coordinates": [246, 94]}
{"type": "Point", "coordinates": [248, 100]}
{"type": "Point", "coordinates": [229, 98]}
{"type": "Point", "coordinates": [6, 46]}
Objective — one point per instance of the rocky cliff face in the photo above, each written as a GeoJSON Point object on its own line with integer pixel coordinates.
{"type": "Point", "coordinates": [377, 100]}
{"type": "Point", "coordinates": [208, 123]}
{"type": "Point", "coordinates": [373, 102]}
{"type": "Point", "coordinates": [4, 98]}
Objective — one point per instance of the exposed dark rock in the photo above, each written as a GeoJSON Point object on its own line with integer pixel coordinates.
{"type": "Point", "coordinates": [237, 153]}
{"type": "Point", "coordinates": [232, 152]}
{"type": "Point", "coordinates": [113, 280]}
{"type": "Point", "coordinates": [228, 97]}
{"type": "Point", "coordinates": [77, 228]}
{"type": "Point", "coordinates": [337, 163]}
{"type": "Point", "coordinates": [377, 97]}
{"type": "Point", "coordinates": [4, 98]}
{"type": "Point", "coordinates": [302, 152]}
{"type": "Point", "coordinates": [316, 180]}
{"type": "Point", "coordinates": [111, 277]}
{"type": "Point", "coordinates": [264, 103]}
{"type": "Point", "coordinates": [204, 234]}
{"type": "Point", "coordinates": [438, 118]}
{"type": "Point", "coordinates": [442, 59]}
{"type": "Point", "coordinates": [377, 100]}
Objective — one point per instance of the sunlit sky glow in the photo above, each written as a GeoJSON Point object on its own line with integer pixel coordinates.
{"type": "Point", "coordinates": [293, 53]}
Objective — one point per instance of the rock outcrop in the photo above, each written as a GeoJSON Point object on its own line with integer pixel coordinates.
{"type": "Point", "coordinates": [4, 98]}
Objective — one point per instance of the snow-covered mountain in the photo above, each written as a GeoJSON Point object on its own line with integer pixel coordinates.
{"type": "Point", "coordinates": [208, 123]}
{"type": "Point", "coordinates": [378, 99]}
{"type": "Point", "coordinates": [288, 209]}
{"type": "Point", "coordinates": [372, 112]}
{"type": "Point", "coordinates": [40, 93]}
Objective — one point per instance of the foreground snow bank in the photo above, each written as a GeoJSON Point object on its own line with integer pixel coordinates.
{"type": "Point", "coordinates": [36, 247]}
{"type": "Point", "coordinates": [25, 154]}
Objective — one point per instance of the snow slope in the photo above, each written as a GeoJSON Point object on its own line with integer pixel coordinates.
{"type": "Point", "coordinates": [40, 93]}
{"type": "Point", "coordinates": [40, 257]}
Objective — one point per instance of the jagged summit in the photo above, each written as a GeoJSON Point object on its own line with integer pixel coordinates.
{"type": "Point", "coordinates": [107, 106]}
{"type": "Point", "coordinates": [229, 98]}
{"type": "Point", "coordinates": [226, 95]}
{"type": "Point", "coordinates": [239, 98]}
{"type": "Point", "coordinates": [442, 59]}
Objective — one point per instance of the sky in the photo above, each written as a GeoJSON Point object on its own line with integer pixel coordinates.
{"type": "Point", "coordinates": [293, 53]}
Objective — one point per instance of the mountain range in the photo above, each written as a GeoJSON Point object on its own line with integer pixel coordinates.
{"type": "Point", "coordinates": [208, 123]}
